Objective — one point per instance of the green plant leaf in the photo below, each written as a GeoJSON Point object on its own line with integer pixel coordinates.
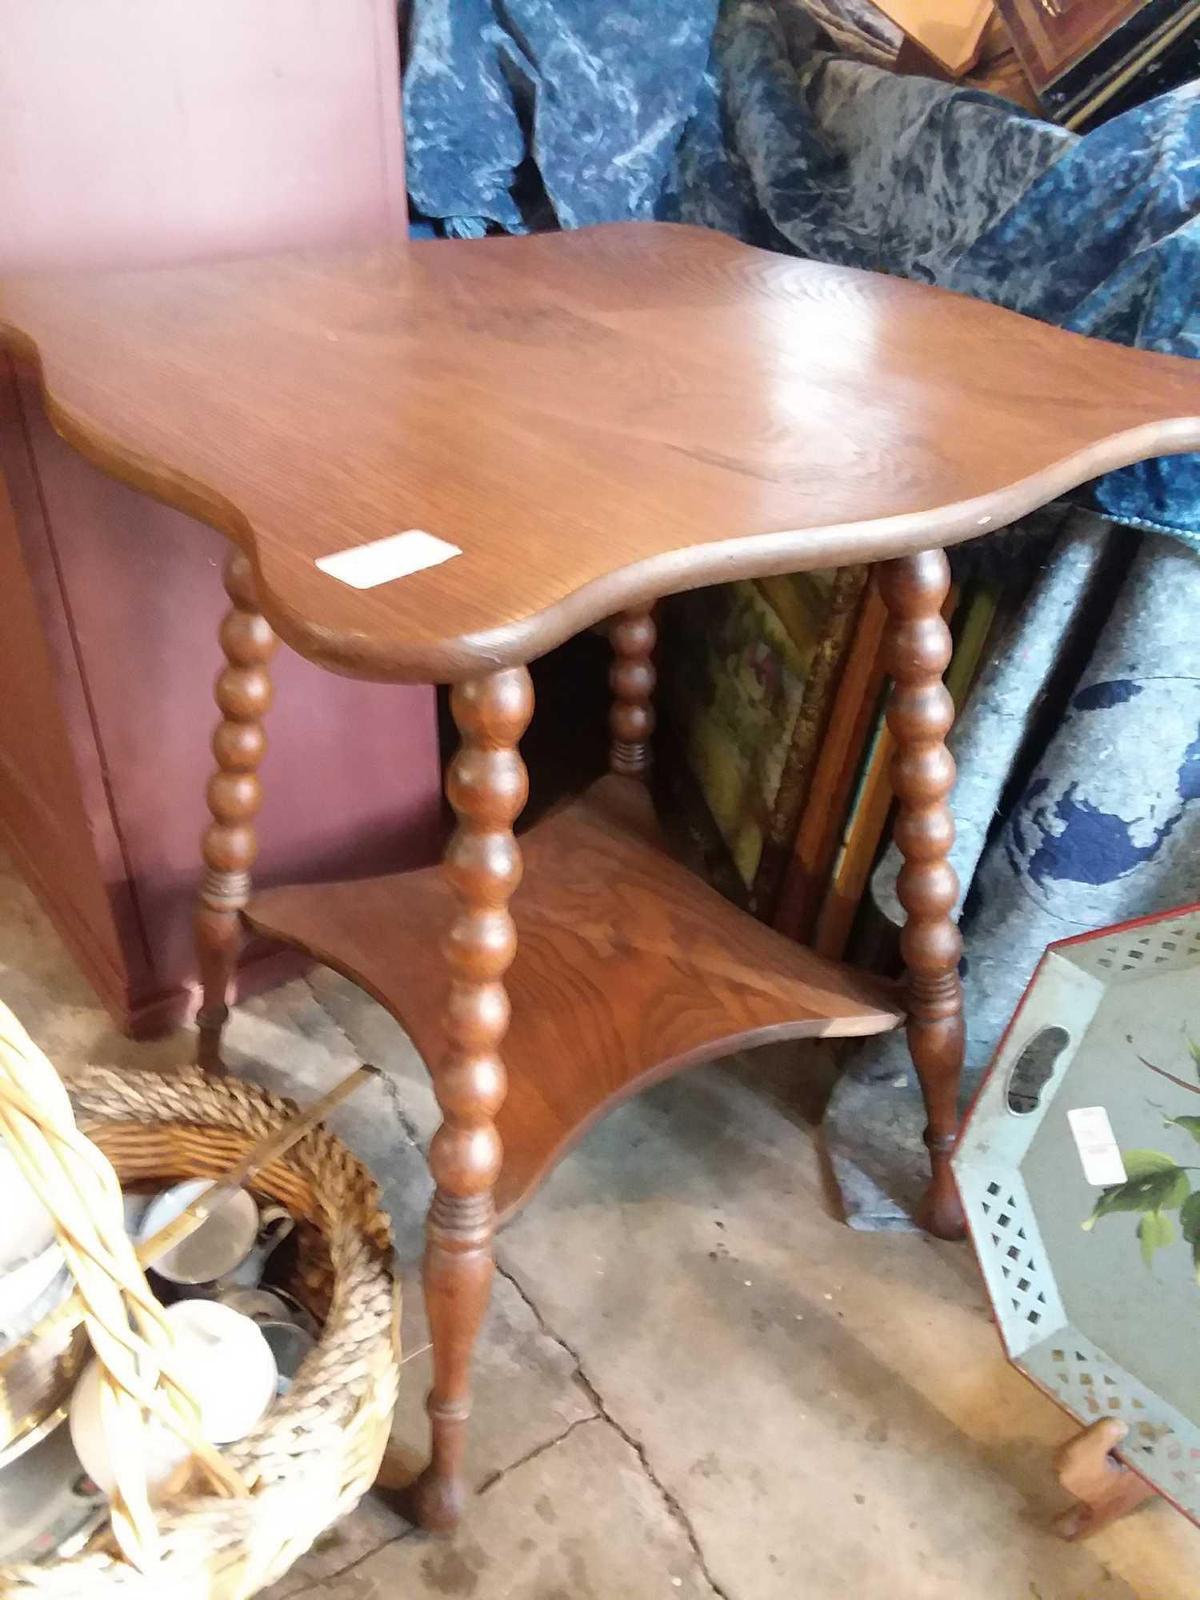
{"type": "Point", "coordinates": [1140, 1163]}
{"type": "Point", "coordinates": [1155, 1183]}
{"type": "Point", "coordinates": [1154, 1232]}
{"type": "Point", "coordinates": [1188, 1124]}
{"type": "Point", "coordinates": [1195, 1050]}
{"type": "Point", "coordinates": [1189, 1226]}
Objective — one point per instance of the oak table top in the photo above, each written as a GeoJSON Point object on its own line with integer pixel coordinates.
{"type": "Point", "coordinates": [592, 419]}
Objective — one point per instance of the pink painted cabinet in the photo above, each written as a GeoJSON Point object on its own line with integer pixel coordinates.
{"type": "Point", "coordinates": [142, 132]}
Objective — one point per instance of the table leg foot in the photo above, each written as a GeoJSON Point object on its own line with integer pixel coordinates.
{"type": "Point", "coordinates": [437, 1502]}
{"type": "Point", "coordinates": [1104, 1487]}
{"type": "Point", "coordinates": [210, 1025]}
{"type": "Point", "coordinates": [940, 1211]}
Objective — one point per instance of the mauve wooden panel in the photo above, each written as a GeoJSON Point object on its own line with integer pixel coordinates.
{"type": "Point", "coordinates": [350, 776]}
{"type": "Point", "coordinates": [139, 134]}
{"type": "Point", "coordinates": [155, 131]}
{"type": "Point", "coordinates": [43, 820]}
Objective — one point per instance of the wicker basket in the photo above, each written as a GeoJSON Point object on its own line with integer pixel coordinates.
{"type": "Point", "coordinates": [318, 1450]}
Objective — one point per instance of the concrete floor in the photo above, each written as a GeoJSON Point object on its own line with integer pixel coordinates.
{"type": "Point", "coordinates": [695, 1381]}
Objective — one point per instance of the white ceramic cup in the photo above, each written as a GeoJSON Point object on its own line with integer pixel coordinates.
{"type": "Point", "coordinates": [26, 1228]}
{"type": "Point", "coordinates": [226, 1363]}
{"type": "Point", "coordinates": [24, 1288]}
{"type": "Point", "coordinates": [229, 1249]}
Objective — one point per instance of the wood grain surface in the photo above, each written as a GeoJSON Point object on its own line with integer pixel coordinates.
{"type": "Point", "coordinates": [627, 969]}
{"type": "Point", "coordinates": [229, 845]}
{"type": "Point", "coordinates": [487, 787]}
{"type": "Point", "coordinates": [595, 418]}
{"type": "Point", "coordinates": [917, 648]}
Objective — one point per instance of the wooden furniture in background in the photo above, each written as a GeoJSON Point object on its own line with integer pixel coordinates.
{"type": "Point", "coordinates": [816, 846]}
{"type": "Point", "coordinates": [948, 33]}
{"type": "Point", "coordinates": [600, 417]}
{"type": "Point", "coordinates": [1087, 60]}
{"type": "Point", "coordinates": [139, 134]}
{"type": "Point", "coordinates": [1051, 35]}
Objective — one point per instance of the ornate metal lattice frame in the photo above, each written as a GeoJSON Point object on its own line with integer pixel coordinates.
{"type": "Point", "coordinates": [1072, 979]}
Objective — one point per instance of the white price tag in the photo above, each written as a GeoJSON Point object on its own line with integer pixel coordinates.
{"type": "Point", "coordinates": [365, 566]}
{"type": "Point", "coordinates": [1098, 1151]}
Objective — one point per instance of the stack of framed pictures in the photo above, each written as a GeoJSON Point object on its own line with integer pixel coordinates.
{"type": "Point", "coordinates": [1089, 59]}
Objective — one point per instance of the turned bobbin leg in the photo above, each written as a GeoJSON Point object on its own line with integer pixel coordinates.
{"type": "Point", "coordinates": [920, 714]}
{"type": "Point", "coordinates": [487, 787]}
{"type": "Point", "coordinates": [632, 678]}
{"type": "Point", "coordinates": [243, 695]}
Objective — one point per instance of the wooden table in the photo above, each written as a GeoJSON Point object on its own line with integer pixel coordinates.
{"type": "Point", "coordinates": [591, 420]}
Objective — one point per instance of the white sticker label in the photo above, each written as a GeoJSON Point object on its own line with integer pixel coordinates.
{"type": "Point", "coordinates": [384, 560]}
{"type": "Point", "coordinates": [1098, 1151]}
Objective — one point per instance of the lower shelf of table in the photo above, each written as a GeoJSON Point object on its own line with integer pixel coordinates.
{"type": "Point", "coordinates": [628, 969]}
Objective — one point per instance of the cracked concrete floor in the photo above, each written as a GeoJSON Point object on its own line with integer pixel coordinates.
{"type": "Point", "coordinates": [694, 1381]}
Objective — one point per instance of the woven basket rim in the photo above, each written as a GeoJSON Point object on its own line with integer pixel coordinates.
{"type": "Point", "coordinates": [338, 1411]}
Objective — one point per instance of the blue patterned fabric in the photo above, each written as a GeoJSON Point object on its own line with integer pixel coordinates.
{"type": "Point", "coordinates": [1107, 242]}
{"type": "Point", "coordinates": [556, 113]}
{"type": "Point", "coordinates": [528, 113]}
